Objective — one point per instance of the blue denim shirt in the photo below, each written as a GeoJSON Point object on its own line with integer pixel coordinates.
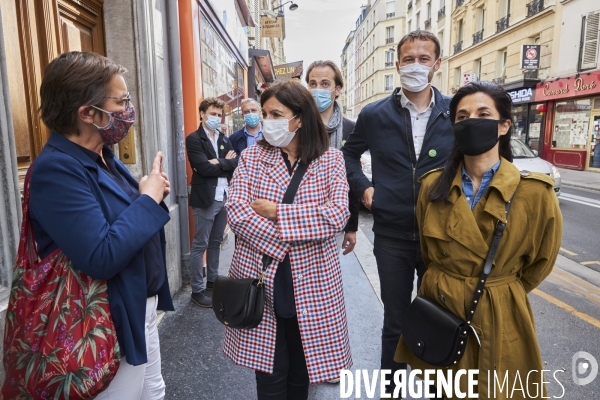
{"type": "Point", "coordinates": [467, 184]}
{"type": "Point", "coordinates": [250, 140]}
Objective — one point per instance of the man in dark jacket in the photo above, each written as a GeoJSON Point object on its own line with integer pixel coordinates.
{"type": "Point", "coordinates": [252, 129]}
{"type": "Point", "coordinates": [408, 134]}
{"type": "Point", "coordinates": [325, 83]}
{"type": "Point", "coordinates": [213, 160]}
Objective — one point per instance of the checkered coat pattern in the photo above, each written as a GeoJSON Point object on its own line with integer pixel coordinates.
{"type": "Point", "coordinates": [306, 230]}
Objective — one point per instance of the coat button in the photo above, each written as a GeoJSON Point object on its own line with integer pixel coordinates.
{"type": "Point", "coordinates": [304, 312]}
{"type": "Point", "coordinates": [444, 254]}
{"type": "Point", "coordinates": [442, 298]}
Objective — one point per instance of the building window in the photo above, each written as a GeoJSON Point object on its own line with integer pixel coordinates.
{"type": "Point", "coordinates": [428, 22]}
{"type": "Point", "coordinates": [479, 24]}
{"type": "Point", "coordinates": [410, 26]}
{"type": "Point", "coordinates": [389, 35]}
{"type": "Point", "coordinates": [477, 69]}
{"type": "Point", "coordinates": [457, 80]}
{"type": "Point", "coordinates": [442, 44]}
{"type": "Point", "coordinates": [418, 21]}
{"type": "Point", "coordinates": [390, 9]}
{"type": "Point", "coordinates": [504, 13]}
{"type": "Point", "coordinates": [501, 58]}
{"type": "Point", "coordinates": [372, 86]}
{"type": "Point", "coordinates": [389, 83]}
{"type": "Point", "coordinates": [590, 39]}
{"type": "Point", "coordinates": [572, 131]}
{"type": "Point", "coordinates": [389, 59]}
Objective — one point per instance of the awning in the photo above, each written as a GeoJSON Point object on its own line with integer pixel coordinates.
{"type": "Point", "coordinates": [246, 13]}
{"type": "Point", "coordinates": [232, 98]}
{"type": "Point", "coordinates": [263, 63]}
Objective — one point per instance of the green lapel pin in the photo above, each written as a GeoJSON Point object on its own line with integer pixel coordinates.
{"type": "Point", "coordinates": [432, 153]}
{"type": "Point", "coordinates": [223, 148]}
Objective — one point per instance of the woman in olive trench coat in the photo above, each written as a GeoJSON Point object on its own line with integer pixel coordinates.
{"type": "Point", "coordinates": [455, 241]}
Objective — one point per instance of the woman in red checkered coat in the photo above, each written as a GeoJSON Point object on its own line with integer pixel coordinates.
{"type": "Point", "coordinates": [303, 336]}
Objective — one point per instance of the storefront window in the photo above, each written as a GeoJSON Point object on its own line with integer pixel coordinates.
{"type": "Point", "coordinates": [519, 114]}
{"type": "Point", "coordinates": [222, 76]}
{"type": "Point", "coordinates": [535, 127]}
{"type": "Point", "coordinates": [571, 123]}
{"type": "Point", "coordinates": [595, 143]}
{"type": "Point", "coordinates": [528, 124]}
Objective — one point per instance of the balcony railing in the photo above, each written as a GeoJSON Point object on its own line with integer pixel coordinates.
{"type": "Point", "coordinates": [390, 15]}
{"type": "Point", "coordinates": [531, 74]}
{"type": "Point", "coordinates": [389, 40]}
{"type": "Point", "coordinates": [389, 64]}
{"type": "Point", "coordinates": [459, 3]}
{"type": "Point", "coordinates": [502, 23]}
{"type": "Point", "coordinates": [458, 47]}
{"type": "Point", "coordinates": [534, 7]}
{"type": "Point", "coordinates": [441, 12]}
{"type": "Point", "coordinates": [499, 80]}
{"type": "Point", "coordinates": [427, 24]}
{"type": "Point", "coordinates": [409, 5]}
{"type": "Point", "coordinates": [477, 37]}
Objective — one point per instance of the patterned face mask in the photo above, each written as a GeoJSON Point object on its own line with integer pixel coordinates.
{"type": "Point", "coordinates": [118, 125]}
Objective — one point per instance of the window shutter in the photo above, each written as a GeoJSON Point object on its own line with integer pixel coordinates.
{"type": "Point", "coordinates": [589, 55]}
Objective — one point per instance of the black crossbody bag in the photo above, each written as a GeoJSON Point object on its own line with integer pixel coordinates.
{"type": "Point", "coordinates": [436, 335]}
{"type": "Point", "coordinates": [240, 303]}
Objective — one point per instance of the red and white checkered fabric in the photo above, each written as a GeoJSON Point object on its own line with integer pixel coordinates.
{"type": "Point", "coordinates": [306, 230]}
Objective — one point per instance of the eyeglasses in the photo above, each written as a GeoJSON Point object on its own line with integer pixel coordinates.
{"type": "Point", "coordinates": [126, 99]}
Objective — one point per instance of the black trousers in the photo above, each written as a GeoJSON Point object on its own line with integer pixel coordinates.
{"type": "Point", "coordinates": [397, 261]}
{"type": "Point", "coordinates": [289, 380]}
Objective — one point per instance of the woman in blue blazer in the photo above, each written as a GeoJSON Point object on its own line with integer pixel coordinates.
{"type": "Point", "coordinates": [85, 202]}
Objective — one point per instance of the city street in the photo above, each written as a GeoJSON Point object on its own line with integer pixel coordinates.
{"type": "Point", "coordinates": [566, 308]}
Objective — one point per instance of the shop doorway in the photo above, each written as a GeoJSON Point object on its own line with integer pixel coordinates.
{"type": "Point", "coordinates": [45, 29]}
{"type": "Point", "coordinates": [594, 140]}
{"type": "Point", "coordinates": [528, 124]}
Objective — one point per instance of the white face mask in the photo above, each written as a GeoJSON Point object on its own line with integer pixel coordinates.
{"type": "Point", "coordinates": [276, 131]}
{"type": "Point", "coordinates": [414, 77]}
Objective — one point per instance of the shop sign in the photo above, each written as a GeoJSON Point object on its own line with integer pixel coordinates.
{"type": "Point", "coordinates": [285, 72]}
{"type": "Point", "coordinates": [272, 27]}
{"type": "Point", "coordinates": [584, 85]}
{"type": "Point", "coordinates": [523, 95]}
{"type": "Point", "coordinates": [530, 56]}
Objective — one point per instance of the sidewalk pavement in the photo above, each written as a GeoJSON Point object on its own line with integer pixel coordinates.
{"type": "Point", "coordinates": [581, 179]}
{"type": "Point", "coordinates": [193, 363]}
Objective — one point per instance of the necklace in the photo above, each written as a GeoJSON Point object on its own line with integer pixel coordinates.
{"type": "Point", "coordinates": [475, 188]}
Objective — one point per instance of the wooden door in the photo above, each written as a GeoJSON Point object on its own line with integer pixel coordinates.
{"type": "Point", "coordinates": [36, 32]}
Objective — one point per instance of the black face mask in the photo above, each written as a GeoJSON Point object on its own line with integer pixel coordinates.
{"type": "Point", "coordinates": [475, 136]}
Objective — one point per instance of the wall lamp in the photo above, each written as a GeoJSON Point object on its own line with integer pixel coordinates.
{"type": "Point", "coordinates": [293, 6]}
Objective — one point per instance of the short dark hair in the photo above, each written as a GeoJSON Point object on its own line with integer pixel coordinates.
{"type": "Point", "coordinates": [420, 35]}
{"type": "Point", "coordinates": [503, 103]}
{"type": "Point", "coordinates": [70, 81]}
{"type": "Point", "coordinates": [211, 102]}
{"type": "Point", "coordinates": [339, 79]}
{"type": "Point", "coordinates": [313, 136]}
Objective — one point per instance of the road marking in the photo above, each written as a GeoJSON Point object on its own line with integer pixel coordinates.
{"type": "Point", "coordinates": [568, 252]}
{"type": "Point", "coordinates": [575, 284]}
{"type": "Point", "coordinates": [590, 262]}
{"type": "Point", "coordinates": [587, 318]}
{"type": "Point", "coordinates": [581, 200]}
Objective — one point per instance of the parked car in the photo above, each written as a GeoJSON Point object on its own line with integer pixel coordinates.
{"type": "Point", "coordinates": [523, 157]}
{"type": "Point", "coordinates": [526, 159]}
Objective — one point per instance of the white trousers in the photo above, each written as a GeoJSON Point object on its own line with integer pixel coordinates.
{"type": "Point", "coordinates": [142, 382]}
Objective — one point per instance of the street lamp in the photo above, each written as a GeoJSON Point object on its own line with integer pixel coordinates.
{"type": "Point", "coordinates": [293, 6]}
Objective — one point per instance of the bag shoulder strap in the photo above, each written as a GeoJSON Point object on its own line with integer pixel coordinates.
{"type": "Point", "coordinates": [288, 198]}
{"type": "Point", "coordinates": [487, 267]}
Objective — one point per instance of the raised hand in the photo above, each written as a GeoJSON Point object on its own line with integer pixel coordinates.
{"type": "Point", "coordinates": [156, 184]}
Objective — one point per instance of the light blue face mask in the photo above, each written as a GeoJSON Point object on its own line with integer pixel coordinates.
{"type": "Point", "coordinates": [323, 98]}
{"type": "Point", "coordinates": [251, 119]}
{"type": "Point", "coordinates": [212, 122]}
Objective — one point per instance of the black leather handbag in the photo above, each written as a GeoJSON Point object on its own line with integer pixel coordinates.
{"type": "Point", "coordinates": [436, 335]}
{"type": "Point", "coordinates": [240, 303]}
